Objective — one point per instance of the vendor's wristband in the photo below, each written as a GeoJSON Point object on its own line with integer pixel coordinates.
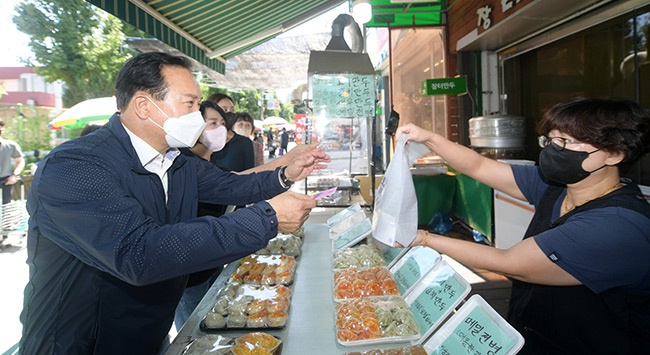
{"type": "Point", "coordinates": [283, 178]}
{"type": "Point", "coordinates": [426, 238]}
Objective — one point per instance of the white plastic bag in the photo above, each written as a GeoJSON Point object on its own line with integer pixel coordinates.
{"type": "Point", "coordinates": [395, 218]}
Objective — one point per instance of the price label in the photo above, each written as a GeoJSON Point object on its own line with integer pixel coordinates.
{"type": "Point", "coordinates": [477, 333]}
{"type": "Point", "coordinates": [413, 266]}
{"type": "Point", "coordinates": [441, 291]}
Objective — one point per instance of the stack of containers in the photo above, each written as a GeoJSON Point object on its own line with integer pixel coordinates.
{"type": "Point", "coordinates": [258, 293]}
{"type": "Point", "coordinates": [427, 291]}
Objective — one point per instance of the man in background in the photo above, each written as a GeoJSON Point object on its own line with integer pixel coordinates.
{"type": "Point", "coordinates": [284, 141]}
{"type": "Point", "coordinates": [12, 164]}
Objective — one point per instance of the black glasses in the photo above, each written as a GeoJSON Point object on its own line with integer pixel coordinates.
{"type": "Point", "coordinates": [558, 142]}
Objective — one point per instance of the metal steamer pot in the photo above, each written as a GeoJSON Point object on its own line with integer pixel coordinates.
{"type": "Point", "coordinates": [497, 131]}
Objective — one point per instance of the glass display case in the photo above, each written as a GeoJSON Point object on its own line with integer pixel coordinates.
{"type": "Point", "coordinates": [342, 105]}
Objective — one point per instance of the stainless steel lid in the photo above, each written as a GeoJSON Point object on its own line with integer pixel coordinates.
{"type": "Point", "coordinates": [497, 131]}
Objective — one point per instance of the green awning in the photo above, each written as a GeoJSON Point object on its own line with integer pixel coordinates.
{"type": "Point", "coordinates": [211, 31]}
{"type": "Point", "coordinates": [405, 14]}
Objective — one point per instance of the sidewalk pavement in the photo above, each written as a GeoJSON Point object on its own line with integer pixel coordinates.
{"type": "Point", "coordinates": [14, 278]}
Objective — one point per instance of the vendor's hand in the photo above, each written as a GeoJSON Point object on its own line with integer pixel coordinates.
{"type": "Point", "coordinates": [421, 238]}
{"type": "Point", "coordinates": [304, 161]}
{"type": "Point", "coordinates": [292, 210]}
{"type": "Point", "coordinates": [416, 134]}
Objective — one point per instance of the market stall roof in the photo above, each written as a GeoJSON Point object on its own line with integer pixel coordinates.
{"type": "Point", "coordinates": [212, 31]}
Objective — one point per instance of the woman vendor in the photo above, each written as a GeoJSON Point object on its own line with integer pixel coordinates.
{"type": "Point", "coordinates": [581, 275]}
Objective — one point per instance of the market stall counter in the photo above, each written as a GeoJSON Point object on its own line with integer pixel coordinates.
{"type": "Point", "coordinates": [310, 326]}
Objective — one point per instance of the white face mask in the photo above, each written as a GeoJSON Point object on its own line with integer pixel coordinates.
{"type": "Point", "coordinates": [181, 132]}
{"type": "Point", "coordinates": [241, 131]}
{"type": "Point", "coordinates": [215, 139]}
{"type": "Point", "coordinates": [243, 128]}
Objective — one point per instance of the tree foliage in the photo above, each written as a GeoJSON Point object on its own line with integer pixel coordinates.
{"type": "Point", "coordinates": [74, 42]}
{"type": "Point", "coordinates": [83, 46]}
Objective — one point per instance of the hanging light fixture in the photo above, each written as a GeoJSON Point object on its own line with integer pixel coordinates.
{"type": "Point", "coordinates": [361, 11]}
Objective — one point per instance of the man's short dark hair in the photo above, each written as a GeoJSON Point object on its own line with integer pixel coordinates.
{"type": "Point", "coordinates": [143, 73]}
{"type": "Point", "coordinates": [2, 123]}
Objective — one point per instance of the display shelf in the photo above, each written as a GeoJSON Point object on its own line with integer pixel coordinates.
{"type": "Point", "coordinates": [311, 315]}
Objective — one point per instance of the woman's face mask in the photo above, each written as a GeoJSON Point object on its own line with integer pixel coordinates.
{"type": "Point", "coordinates": [243, 128]}
{"type": "Point", "coordinates": [183, 131]}
{"type": "Point", "coordinates": [215, 139]}
{"type": "Point", "coordinates": [563, 165]}
{"type": "Point", "coordinates": [215, 135]}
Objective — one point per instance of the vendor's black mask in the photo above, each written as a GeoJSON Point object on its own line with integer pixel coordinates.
{"type": "Point", "coordinates": [563, 165]}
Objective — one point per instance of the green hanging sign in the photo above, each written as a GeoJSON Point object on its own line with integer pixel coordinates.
{"type": "Point", "coordinates": [445, 86]}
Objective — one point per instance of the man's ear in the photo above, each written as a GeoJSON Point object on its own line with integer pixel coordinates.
{"type": "Point", "coordinates": [141, 105]}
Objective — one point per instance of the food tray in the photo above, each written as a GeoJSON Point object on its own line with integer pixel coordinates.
{"type": "Point", "coordinates": [363, 282]}
{"type": "Point", "coordinates": [343, 214]}
{"type": "Point", "coordinates": [338, 198]}
{"type": "Point", "coordinates": [374, 320]}
{"type": "Point", "coordinates": [353, 235]}
{"type": "Point", "coordinates": [265, 270]}
{"type": "Point", "coordinates": [364, 255]}
{"type": "Point", "coordinates": [408, 350]}
{"type": "Point", "coordinates": [478, 325]}
{"type": "Point", "coordinates": [298, 233]}
{"type": "Point", "coordinates": [214, 344]}
{"type": "Point", "coordinates": [347, 223]}
{"type": "Point", "coordinates": [411, 267]}
{"type": "Point", "coordinates": [251, 342]}
{"type": "Point", "coordinates": [324, 183]}
{"type": "Point", "coordinates": [286, 244]}
{"type": "Point", "coordinates": [251, 307]}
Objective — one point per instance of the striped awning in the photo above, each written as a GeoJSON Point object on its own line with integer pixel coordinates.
{"type": "Point", "coordinates": [211, 31]}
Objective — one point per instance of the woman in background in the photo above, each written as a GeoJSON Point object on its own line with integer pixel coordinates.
{"type": "Point", "coordinates": [224, 101]}
{"type": "Point", "coordinates": [238, 154]}
{"type": "Point", "coordinates": [245, 126]}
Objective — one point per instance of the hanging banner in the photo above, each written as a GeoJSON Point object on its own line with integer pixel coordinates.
{"type": "Point", "coordinates": [300, 119]}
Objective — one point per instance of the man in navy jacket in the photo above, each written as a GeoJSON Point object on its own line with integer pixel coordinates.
{"type": "Point", "coordinates": [113, 230]}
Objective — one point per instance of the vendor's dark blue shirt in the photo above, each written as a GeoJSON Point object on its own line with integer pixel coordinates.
{"type": "Point", "coordinates": [603, 248]}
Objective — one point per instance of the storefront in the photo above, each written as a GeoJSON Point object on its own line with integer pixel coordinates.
{"type": "Point", "coordinates": [533, 54]}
